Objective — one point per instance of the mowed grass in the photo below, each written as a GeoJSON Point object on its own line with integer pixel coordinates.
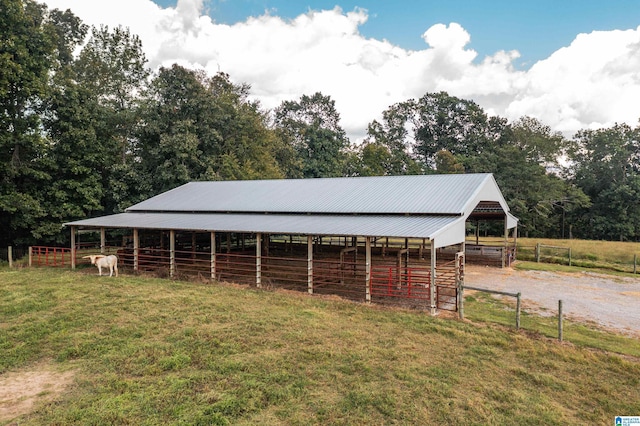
{"type": "Point", "coordinates": [151, 351]}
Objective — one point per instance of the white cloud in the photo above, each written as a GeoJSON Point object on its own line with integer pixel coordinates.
{"type": "Point", "coordinates": [593, 82]}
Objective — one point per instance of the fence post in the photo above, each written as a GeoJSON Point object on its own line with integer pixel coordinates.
{"type": "Point", "coordinates": [30, 256]}
{"type": "Point", "coordinates": [309, 263]}
{"type": "Point", "coordinates": [538, 252]}
{"type": "Point", "coordinates": [518, 311]}
{"type": "Point", "coordinates": [259, 260]}
{"type": "Point", "coordinates": [368, 269]}
{"type": "Point", "coordinates": [172, 253]}
{"type": "Point", "coordinates": [10, 256]}
{"type": "Point", "coordinates": [212, 260]}
{"type": "Point", "coordinates": [560, 320]}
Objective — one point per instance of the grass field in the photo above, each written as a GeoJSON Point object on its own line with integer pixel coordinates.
{"type": "Point", "coordinates": [615, 256]}
{"type": "Point", "coordinates": [151, 351]}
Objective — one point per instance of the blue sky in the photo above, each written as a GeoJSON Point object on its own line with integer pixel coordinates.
{"type": "Point", "coordinates": [536, 28]}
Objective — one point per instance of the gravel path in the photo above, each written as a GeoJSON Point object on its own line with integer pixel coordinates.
{"type": "Point", "coordinates": [609, 301]}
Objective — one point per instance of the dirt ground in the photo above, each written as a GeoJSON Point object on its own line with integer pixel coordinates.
{"type": "Point", "coordinates": [22, 391]}
{"type": "Point", "coordinates": [608, 301]}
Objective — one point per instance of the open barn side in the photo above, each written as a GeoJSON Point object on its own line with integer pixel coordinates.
{"type": "Point", "coordinates": [396, 272]}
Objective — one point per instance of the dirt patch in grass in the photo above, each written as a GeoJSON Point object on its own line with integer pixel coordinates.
{"type": "Point", "coordinates": [23, 391]}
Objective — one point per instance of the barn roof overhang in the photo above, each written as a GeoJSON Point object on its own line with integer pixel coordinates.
{"type": "Point", "coordinates": [445, 229]}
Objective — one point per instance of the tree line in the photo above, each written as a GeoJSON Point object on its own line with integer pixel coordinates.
{"type": "Point", "coordinates": [88, 129]}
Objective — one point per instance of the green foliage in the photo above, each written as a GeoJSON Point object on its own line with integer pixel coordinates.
{"type": "Point", "coordinates": [201, 128]}
{"type": "Point", "coordinates": [607, 169]}
{"type": "Point", "coordinates": [311, 127]}
{"type": "Point", "coordinates": [91, 133]}
{"type": "Point", "coordinates": [446, 163]}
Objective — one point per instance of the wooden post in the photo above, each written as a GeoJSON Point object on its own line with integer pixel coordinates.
{"type": "Point", "coordinates": [259, 260]}
{"type": "Point", "coordinates": [538, 252]}
{"type": "Point", "coordinates": [136, 250]}
{"type": "Point", "coordinates": [172, 253]}
{"type": "Point", "coordinates": [518, 310]}
{"type": "Point", "coordinates": [310, 264]}
{"type": "Point", "coordinates": [213, 255]}
{"type": "Point", "coordinates": [515, 243]}
{"type": "Point", "coordinates": [506, 243]}
{"type": "Point", "coordinates": [31, 257]}
{"type": "Point", "coordinates": [432, 284]}
{"type": "Point", "coordinates": [103, 240]}
{"type": "Point", "coordinates": [460, 280]}
{"type": "Point", "coordinates": [73, 249]}
{"type": "Point", "coordinates": [367, 266]}
{"type": "Point", "coordinates": [10, 256]}
{"type": "Point", "coordinates": [406, 258]}
{"type": "Point", "coordinates": [560, 331]}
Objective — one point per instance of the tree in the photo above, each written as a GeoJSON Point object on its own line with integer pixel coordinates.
{"type": "Point", "coordinates": [606, 166]}
{"type": "Point", "coordinates": [444, 122]}
{"type": "Point", "coordinates": [538, 142]}
{"type": "Point", "coordinates": [34, 44]}
{"type": "Point", "coordinates": [311, 127]}
{"type": "Point", "coordinates": [446, 163]}
{"type": "Point", "coordinates": [201, 128]}
{"type": "Point", "coordinates": [111, 69]}
{"type": "Point", "coordinates": [387, 150]}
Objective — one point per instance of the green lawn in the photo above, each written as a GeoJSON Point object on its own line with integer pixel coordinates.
{"type": "Point", "coordinates": [151, 351]}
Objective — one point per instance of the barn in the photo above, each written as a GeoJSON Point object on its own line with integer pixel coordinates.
{"type": "Point", "coordinates": [387, 239]}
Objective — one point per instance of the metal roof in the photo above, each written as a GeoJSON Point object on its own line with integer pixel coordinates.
{"type": "Point", "coordinates": [425, 206]}
{"type": "Point", "coordinates": [423, 194]}
{"type": "Point", "coordinates": [350, 225]}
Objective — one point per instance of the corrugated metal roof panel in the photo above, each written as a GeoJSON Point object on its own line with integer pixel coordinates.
{"type": "Point", "coordinates": [385, 226]}
{"type": "Point", "coordinates": [423, 194]}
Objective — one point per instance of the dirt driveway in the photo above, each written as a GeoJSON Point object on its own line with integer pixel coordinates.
{"type": "Point", "coordinates": [610, 301]}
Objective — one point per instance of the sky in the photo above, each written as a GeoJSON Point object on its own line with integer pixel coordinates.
{"type": "Point", "coordinates": [572, 64]}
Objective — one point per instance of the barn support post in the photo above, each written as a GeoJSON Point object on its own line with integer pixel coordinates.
{"type": "Point", "coordinates": [515, 243]}
{"type": "Point", "coordinates": [172, 253]}
{"type": "Point", "coordinates": [506, 243]}
{"type": "Point", "coordinates": [103, 240]}
{"type": "Point", "coordinates": [73, 249]}
{"type": "Point", "coordinates": [136, 250]}
{"type": "Point", "coordinates": [432, 283]}
{"type": "Point", "coordinates": [310, 264]}
{"type": "Point", "coordinates": [460, 279]}
{"type": "Point", "coordinates": [259, 260]}
{"type": "Point", "coordinates": [367, 266]}
{"type": "Point", "coordinates": [213, 255]}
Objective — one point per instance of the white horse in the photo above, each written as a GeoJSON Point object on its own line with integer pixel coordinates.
{"type": "Point", "coordinates": [101, 261]}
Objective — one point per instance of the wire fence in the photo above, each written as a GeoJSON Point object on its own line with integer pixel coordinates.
{"type": "Point", "coordinates": [543, 253]}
